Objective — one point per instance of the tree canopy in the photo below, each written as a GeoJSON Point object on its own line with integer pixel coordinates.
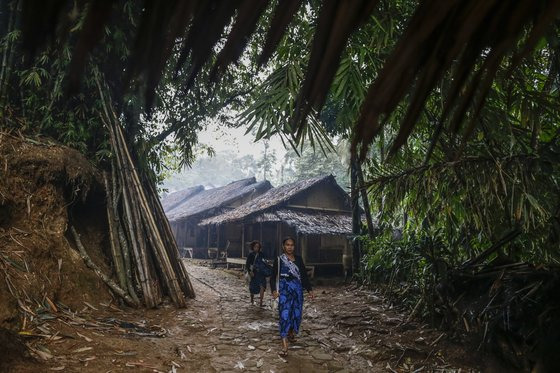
{"type": "Point", "coordinates": [471, 40]}
{"type": "Point", "coordinates": [474, 112]}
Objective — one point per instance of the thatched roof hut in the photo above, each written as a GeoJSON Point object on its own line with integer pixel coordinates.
{"type": "Point", "coordinates": [186, 208]}
{"type": "Point", "coordinates": [212, 201]}
{"type": "Point", "coordinates": [309, 222]}
{"type": "Point", "coordinates": [172, 200]}
{"type": "Point", "coordinates": [281, 204]}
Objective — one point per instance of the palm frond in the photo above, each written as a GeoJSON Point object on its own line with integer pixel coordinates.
{"type": "Point", "coordinates": [469, 38]}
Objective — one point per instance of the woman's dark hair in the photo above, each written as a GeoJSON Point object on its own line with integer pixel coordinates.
{"type": "Point", "coordinates": [252, 244]}
{"type": "Point", "coordinates": [288, 238]}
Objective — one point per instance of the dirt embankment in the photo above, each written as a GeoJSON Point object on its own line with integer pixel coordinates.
{"type": "Point", "coordinates": [44, 188]}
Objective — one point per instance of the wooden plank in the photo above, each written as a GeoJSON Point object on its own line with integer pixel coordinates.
{"type": "Point", "coordinates": [236, 260]}
{"type": "Point", "coordinates": [213, 253]}
{"type": "Point", "coordinates": [310, 271]}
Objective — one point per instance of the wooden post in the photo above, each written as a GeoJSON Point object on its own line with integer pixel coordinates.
{"type": "Point", "coordinates": [281, 232]}
{"type": "Point", "coordinates": [242, 240]}
{"type": "Point", "coordinates": [278, 238]}
{"type": "Point", "coordinates": [304, 248]}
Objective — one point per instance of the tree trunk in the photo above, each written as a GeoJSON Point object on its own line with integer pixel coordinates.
{"type": "Point", "coordinates": [354, 194]}
{"type": "Point", "coordinates": [365, 201]}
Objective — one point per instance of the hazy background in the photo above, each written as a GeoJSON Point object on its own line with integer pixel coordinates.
{"type": "Point", "coordinates": [237, 156]}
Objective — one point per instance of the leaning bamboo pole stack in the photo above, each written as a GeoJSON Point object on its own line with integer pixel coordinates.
{"type": "Point", "coordinates": [145, 254]}
{"type": "Point", "coordinates": [170, 242]}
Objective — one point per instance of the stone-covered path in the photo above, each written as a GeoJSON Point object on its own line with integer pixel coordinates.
{"type": "Point", "coordinates": [344, 330]}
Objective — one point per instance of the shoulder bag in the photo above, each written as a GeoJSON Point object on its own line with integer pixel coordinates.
{"type": "Point", "coordinates": [274, 301]}
{"type": "Point", "coordinates": [249, 270]}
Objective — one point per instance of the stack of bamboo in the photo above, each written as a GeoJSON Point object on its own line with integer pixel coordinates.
{"type": "Point", "coordinates": [144, 252]}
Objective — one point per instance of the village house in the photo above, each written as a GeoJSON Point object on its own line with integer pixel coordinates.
{"type": "Point", "coordinates": [173, 200]}
{"type": "Point", "coordinates": [316, 212]}
{"type": "Point", "coordinates": [186, 208]}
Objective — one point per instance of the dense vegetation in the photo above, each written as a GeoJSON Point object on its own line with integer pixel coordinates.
{"type": "Point", "coordinates": [474, 186]}
{"type": "Point", "coordinates": [38, 98]}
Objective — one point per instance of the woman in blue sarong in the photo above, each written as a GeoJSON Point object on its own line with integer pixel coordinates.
{"type": "Point", "coordinates": [293, 278]}
{"type": "Point", "coordinates": [258, 271]}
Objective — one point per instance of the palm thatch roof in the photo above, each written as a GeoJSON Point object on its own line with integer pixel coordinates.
{"type": "Point", "coordinates": [172, 200]}
{"type": "Point", "coordinates": [468, 38]}
{"type": "Point", "coordinates": [213, 201]}
{"type": "Point", "coordinates": [309, 221]}
{"type": "Point", "coordinates": [273, 206]}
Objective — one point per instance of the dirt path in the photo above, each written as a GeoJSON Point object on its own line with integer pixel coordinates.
{"type": "Point", "coordinates": [344, 330]}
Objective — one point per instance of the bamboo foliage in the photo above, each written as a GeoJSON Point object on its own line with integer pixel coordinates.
{"type": "Point", "coordinates": [476, 194]}
{"type": "Point", "coordinates": [157, 268]}
{"type": "Point", "coordinates": [468, 39]}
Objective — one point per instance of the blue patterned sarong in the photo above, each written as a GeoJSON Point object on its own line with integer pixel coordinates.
{"type": "Point", "coordinates": [290, 300]}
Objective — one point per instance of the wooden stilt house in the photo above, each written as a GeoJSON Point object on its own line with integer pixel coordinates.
{"type": "Point", "coordinates": [316, 212]}
{"type": "Point", "coordinates": [185, 213]}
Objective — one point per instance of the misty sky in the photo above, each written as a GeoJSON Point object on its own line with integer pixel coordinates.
{"type": "Point", "coordinates": [222, 138]}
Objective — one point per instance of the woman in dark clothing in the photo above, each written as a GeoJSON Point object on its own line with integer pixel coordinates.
{"type": "Point", "coordinates": [289, 291]}
{"type": "Point", "coordinates": [257, 269]}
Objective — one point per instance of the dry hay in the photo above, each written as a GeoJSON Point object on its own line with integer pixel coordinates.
{"type": "Point", "coordinates": [43, 187]}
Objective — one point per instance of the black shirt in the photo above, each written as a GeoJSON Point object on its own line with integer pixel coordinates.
{"type": "Point", "coordinates": [251, 259]}
{"type": "Point", "coordinates": [302, 271]}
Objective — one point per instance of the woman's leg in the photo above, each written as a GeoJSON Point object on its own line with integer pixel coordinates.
{"type": "Point", "coordinates": [292, 336]}
{"type": "Point", "coordinates": [254, 287]}
{"type": "Point", "coordinates": [262, 295]}
{"type": "Point", "coordinates": [284, 351]}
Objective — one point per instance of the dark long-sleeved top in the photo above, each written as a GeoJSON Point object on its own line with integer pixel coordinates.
{"type": "Point", "coordinates": [251, 259]}
{"type": "Point", "coordinates": [302, 271]}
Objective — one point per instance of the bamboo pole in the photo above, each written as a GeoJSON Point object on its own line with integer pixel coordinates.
{"type": "Point", "coordinates": [119, 244]}
{"type": "Point", "coordinates": [125, 247]}
{"type": "Point", "coordinates": [113, 238]}
{"type": "Point", "coordinates": [171, 243]}
{"type": "Point", "coordinates": [145, 270]}
{"type": "Point", "coordinates": [116, 288]}
{"type": "Point", "coordinates": [126, 259]}
{"type": "Point", "coordinates": [6, 63]}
